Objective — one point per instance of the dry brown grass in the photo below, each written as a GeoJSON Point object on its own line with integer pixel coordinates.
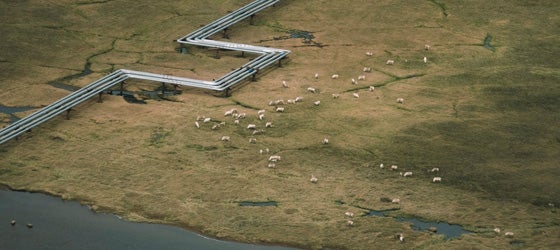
{"type": "Point", "coordinates": [477, 114]}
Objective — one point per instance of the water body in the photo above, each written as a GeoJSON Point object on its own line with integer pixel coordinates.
{"type": "Point", "coordinates": [59, 224]}
{"type": "Point", "coordinates": [258, 203]}
{"type": "Point", "coordinates": [448, 230]}
{"type": "Point", "coordinates": [487, 41]}
{"type": "Point", "coordinates": [13, 110]}
{"type": "Point", "coordinates": [301, 34]}
{"type": "Point", "coordinates": [156, 95]}
{"type": "Point", "coordinates": [58, 82]}
{"type": "Point", "coordinates": [127, 95]}
{"type": "Point", "coordinates": [64, 86]}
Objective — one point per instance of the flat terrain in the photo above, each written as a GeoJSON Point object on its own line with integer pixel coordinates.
{"type": "Point", "coordinates": [483, 109]}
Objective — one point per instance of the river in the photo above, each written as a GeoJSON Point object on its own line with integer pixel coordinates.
{"type": "Point", "coordinates": [59, 224]}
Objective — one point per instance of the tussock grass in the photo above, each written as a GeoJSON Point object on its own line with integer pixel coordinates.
{"type": "Point", "coordinates": [485, 118]}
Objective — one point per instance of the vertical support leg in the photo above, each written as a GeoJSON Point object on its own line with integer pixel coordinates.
{"type": "Point", "coordinates": [100, 99]}
{"type": "Point", "coordinates": [163, 89]}
{"type": "Point", "coordinates": [255, 75]}
{"type": "Point", "coordinates": [183, 49]}
{"type": "Point", "coordinates": [225, 35]}
{"type": "Point", "coordinates": [218, 53]}
{"type": "Point", "coordinates": [122, 89]}
{"type": "Point", "coordinates": [251, 21]}
{"type": "Point", "coordinates": [68, 114]}
{"type": "Point", "coordinates": [280, 63]}
{"type": "Point", "coordinates": [242, 53]}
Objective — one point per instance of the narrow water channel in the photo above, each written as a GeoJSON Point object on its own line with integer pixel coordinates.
{"type": "Point", "coordinates": [58, 224]}
{"type": "Point", "coordinates": [13, 110]}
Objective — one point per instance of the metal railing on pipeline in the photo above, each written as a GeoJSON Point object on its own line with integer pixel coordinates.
{"type": "Point", "coordinates": [267, 57]}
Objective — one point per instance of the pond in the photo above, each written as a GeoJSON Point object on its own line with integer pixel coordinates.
{"type": "Point", "coordinates": [448, 230]}
{"type": "Point", "coordinates": [487, 41]}
{"type": "Point", "coordinates": [58, 224]}
{"type": "Point", "coordinates": [301, 34]}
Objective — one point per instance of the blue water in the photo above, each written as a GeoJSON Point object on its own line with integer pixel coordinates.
{"type": "Point", "coordinates": [12, 110]}
{"type": "Point", "coordinates": [301, 34]}
{"type": "Point", "coordinates": [258, 203]}
{"type": "Point", "coordinates": [59, 224]}
{"type": "Point", "coordinates": [64, 86]}
{"type": "Point", "coordinates": [376, 213]}
{"type": "Point", "coordinates": [487, 41]}
{"type": "Point", "coordinates": [448, 230]}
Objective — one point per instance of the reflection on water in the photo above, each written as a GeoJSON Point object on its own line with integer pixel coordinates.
{"type": "Point", "coordinates": [59, 224]}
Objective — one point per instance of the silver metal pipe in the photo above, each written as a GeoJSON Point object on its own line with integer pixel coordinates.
{"type": "Point", "coordinates": [198, 37]}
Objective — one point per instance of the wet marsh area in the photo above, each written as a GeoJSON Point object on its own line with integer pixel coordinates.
{"type": "Point", "coordinates": [485, 118]}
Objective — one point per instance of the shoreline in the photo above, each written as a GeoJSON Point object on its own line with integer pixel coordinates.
{"type": "Point", "coordinates": [194, 230]}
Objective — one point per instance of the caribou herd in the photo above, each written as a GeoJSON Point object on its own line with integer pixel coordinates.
{"type": "Point", "coordinates": [280, 106]}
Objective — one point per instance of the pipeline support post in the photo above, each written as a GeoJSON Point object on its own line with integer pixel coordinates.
{"type": "Point", "coordinates": [218, 53]}
{"type": "Point", "coordinates": [100, 99]}
{"type": "Point", "coordinates": [254, 78]}
{"type": "Point", "coordinates": [183, 48]}
{"type": "Point", "coordinates": [226, 35]}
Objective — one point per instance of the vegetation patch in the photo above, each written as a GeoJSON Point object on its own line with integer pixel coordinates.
{"type": "Point", "coordinates": [158, 136]}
